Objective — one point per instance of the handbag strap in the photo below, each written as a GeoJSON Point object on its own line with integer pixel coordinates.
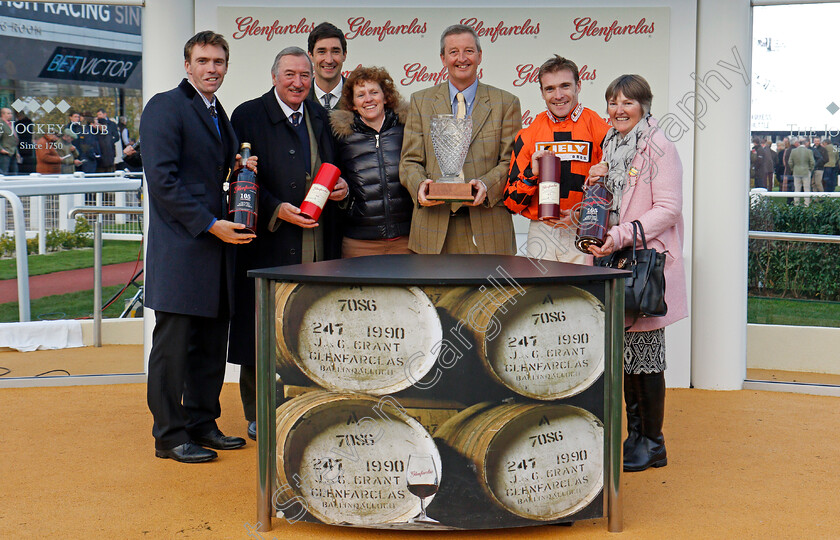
{"type": "Point", "coordinates": [634, 242]}
{"type": "Point", "coordinates": [642, 231]}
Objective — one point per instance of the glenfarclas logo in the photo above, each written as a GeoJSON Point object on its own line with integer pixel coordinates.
{"type": "Point", "coordinates": [418, 73]}
{"type": "Point", "coordinates": [529, 73]}
{"type": "Point", "coordinates": [501, 29]}
{"type": "Point", "coordinates": [589, 27]}
{"type": "Point", "coordinates": [250, 27]}
{"type": "Point", "coordinates": [362, 27]}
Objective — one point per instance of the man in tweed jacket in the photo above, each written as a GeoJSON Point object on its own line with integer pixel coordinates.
{"type": "Point", "coordinates": [483, 225]}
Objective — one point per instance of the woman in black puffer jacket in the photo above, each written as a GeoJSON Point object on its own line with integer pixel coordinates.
{"type": "Point", "coordinates": [369, 135]}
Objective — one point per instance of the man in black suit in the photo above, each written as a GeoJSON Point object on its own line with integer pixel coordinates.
{"type": "Point", "coordinates": [108, 135]}
{"type": "Point", "coordinates": [188, 147]}
{"type": "Point", "coordinates": [283, 128]}
{"type": "Point", "coordinates": [328, 51]}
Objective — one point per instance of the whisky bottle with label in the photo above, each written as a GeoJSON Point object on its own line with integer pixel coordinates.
{"type": "Point", "coordinates": [594, 217]}
{"type": "Point", "coordinates": [549, 187]}
{"type": "Point", "coordinates": [242, 194]}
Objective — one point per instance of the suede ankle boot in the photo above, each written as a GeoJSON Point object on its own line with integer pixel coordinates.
{"type": "Point", "coordinates": [650, 448]}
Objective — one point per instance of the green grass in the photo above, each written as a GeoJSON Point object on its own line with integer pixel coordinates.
{"type": "Point", "coordinates": [68, 306]}
{"type": "Point", "coordinates": [113, 251]}
{"type": "Point", "coordinates": [792, 312]}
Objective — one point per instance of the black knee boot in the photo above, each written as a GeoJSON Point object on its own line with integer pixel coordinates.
{"type": "Point", "coordinates": [650, 448]}
{"type": "Point", "coordinates": [631, 407]}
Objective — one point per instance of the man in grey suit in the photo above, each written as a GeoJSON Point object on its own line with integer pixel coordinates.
{"type": "Point", "coordinates": [188, 148]}
{"type": "Point", "coordinates": [802, 164]}
{"type": "Point", "coordinates": [482, 225]}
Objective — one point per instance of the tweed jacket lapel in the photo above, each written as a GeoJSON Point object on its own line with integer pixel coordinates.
{"type": "Point", "coordinates": [481, 110]}
{"type": "Point", "coordinates": [441, 104]}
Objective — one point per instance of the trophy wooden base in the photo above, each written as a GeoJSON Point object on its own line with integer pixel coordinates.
{"type": "Point", "coordinates": [450, 192]}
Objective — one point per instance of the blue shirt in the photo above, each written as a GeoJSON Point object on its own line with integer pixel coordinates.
{"type": "Point", "coordinates": [469, 97]}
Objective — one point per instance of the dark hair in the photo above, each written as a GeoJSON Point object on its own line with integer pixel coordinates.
{"type": "Point", "coordinates": [633, 87]}
{"type": "Point", "coordinates": [456, 29]}
{"type": "Point", "coordinates": [558, 63]}
{"type": "Point", "coordinates": [378, 75]}
{"type": "Point", "coordinates": [204, 38]}
{"type": "Point", "coordinates": [326, 30]}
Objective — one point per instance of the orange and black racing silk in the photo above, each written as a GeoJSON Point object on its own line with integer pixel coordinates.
{"type": "Point", "coordinates": [576, 140]}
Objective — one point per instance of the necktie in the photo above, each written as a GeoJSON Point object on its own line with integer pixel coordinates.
{"type": "Point", "coordinates": [460, 114]}
{"type": "Point", "coordinates": [327, 99]}
{"type": "Point", "coordinates": [461, 110]}
{"type": "Point", "coordinates": [215, 119]}
{"type": "Point", "coordinates": [296, 119]}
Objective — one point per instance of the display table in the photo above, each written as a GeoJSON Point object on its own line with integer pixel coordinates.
{"type": "Point", "coordinates": [439, 392]}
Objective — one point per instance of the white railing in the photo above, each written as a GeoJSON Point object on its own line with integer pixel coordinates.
{"type": "Point", "coordinates": [12, 188]}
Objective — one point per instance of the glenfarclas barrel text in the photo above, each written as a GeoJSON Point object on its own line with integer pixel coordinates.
{"type": "Point", "coordinates": [594, 217]}
{"type": "Point", "coordinates": [242, 198]}
{"type": "Point", "coordinates": [319, 191]}
{"type": "Point", "coordinates": [549, 187]}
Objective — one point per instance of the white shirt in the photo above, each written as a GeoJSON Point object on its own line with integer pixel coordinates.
{"type": "Point", "coordinates": [335, 93]}
{"type": "Point", "coordinates": [288, 111]}
{"type": "Point", "coordinates": [207, 102]}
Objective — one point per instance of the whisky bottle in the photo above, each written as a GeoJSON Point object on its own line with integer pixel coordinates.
{"type": "Point", "coordinates": [242, 197]}
{"type": "Point", "coordinates": [594, 217]}
{"type": "Point", "coordinates": [549, 187]}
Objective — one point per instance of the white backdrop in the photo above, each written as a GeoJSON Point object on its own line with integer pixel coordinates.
{"type": "Point", "coordinates": [656, 39]}
{"type": "Point", "coordinates": [406, 41]}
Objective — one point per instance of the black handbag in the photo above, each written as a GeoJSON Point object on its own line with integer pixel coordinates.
{"type": "Point", "coordinates": [644, 291]}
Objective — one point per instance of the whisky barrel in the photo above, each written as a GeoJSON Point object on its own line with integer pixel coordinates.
{"type": "Point", "coordinates": [372, 339]}
{"type": "Point", "coordinates": [431, 413]}
{"type": "Point", "coordinates": [543, 342]}
{"type": "Point", "coordinates": [344, 456]}
{"type": "Point", "coordinates": [539, 461]}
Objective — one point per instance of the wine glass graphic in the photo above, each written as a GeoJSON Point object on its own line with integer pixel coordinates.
{"type": "Point", "coordinates": [421, 477]}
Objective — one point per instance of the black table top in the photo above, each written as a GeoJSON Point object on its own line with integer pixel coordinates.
{"type": "Point", "coordinates": [437, 270]}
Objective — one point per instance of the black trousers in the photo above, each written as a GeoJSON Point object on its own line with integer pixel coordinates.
{"type": "Point", "coordinates": [186, 372]}
{"type": "Point", "coordinates": [248, 391]}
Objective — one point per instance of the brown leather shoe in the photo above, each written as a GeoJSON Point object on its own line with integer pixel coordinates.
{"type": "Point", "coordinates": [187, 453]}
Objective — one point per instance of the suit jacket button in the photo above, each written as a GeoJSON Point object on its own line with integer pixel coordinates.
{"type": "Point", "coordinates": [292, 152]}
{"type": "Point", "coordinates": [291, 252]}
{"type": "Point", "coordinates": [293, 185]}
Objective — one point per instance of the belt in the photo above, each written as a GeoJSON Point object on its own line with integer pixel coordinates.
{"type": "Point", "coordinates": [462, 211]}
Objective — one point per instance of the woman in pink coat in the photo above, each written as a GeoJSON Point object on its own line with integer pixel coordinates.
{"type": "Point", "coordinates": [642, 169]}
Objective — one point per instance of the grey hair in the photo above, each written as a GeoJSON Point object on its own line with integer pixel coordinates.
{"type": "Point", "coordinates": [459, 29]}
{"type": "Point", "coordinates": [290, 51]}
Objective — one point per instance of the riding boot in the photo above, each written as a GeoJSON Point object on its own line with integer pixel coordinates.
{"type": "Point", "coordinates": [631, 406]}
{"type": "Point", "coordinates": [650, 449]}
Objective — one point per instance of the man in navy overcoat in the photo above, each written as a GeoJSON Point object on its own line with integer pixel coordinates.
{"type": "Point", "coordinates": [188, 149]}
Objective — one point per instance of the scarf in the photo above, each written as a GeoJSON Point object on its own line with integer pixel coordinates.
{"type": "Point", "coordinates": [619, 152]}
